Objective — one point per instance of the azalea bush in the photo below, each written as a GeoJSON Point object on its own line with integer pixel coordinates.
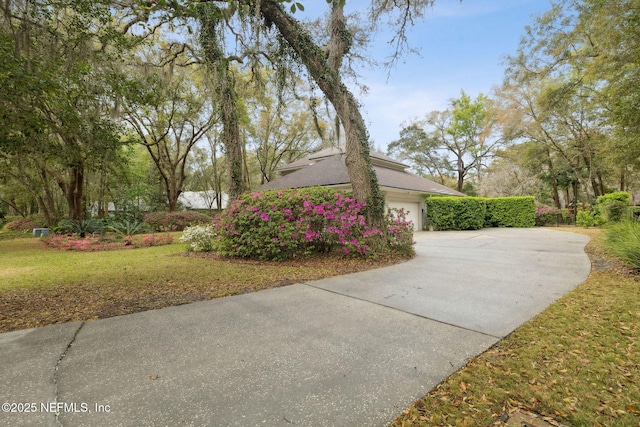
{"type": "Point", "coordinates": [546, 215]}
{"type": "Point", "coordinates": [175, 221]}
{"type": "Point", "coordinates": [199, 238]}
{"type": "Point", "coordinates": [94, 244]}
{"type": "Point", "coordinates": [27, 224]}
{"type": "Point", "coordinates": [400, 232]}
{"type": "Point", "coordinates": [282, 224]}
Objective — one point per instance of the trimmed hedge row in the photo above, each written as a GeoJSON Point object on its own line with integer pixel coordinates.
{"type": "Point", "coordinates": [473, 213]}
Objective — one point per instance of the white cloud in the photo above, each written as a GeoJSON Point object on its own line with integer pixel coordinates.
{"type": "Point", "coordinates": [387, 108]}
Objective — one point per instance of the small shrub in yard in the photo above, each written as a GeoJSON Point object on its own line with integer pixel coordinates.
{"type": "Point", "coordinates": [623, 240]}
{"type": "Point", "coordinates": [27, 224]}
{"type": "Point", "coordinates": [199, 238]}
{"type": "Point", "coordinates": [175, 221]}
{"type": "Point", "coordinates": [546, 215]}
{"type": "Point", "coordinates": [128, 228]}
{"type": "Point", "coordinates": [400, 232]}
{"type": "Point", "coordinates": [589, 218]}
{"type": "Point", "coordinates": [82, 227]}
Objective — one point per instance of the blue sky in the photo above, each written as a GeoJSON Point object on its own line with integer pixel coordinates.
{"type": "Point", "coordinates": [462, 47]}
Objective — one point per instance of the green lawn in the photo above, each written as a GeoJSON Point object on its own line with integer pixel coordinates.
{"type": "Point", "coordinates": [578, 362]}
{"type": "Point", "coordinates": [40, 286]}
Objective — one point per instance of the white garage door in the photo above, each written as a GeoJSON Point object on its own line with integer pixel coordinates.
{"type": "Point", "coordinates": [412, 211]}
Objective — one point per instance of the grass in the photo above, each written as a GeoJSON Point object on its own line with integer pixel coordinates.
{"type": "Point", "coordinates": [41, 286]}
{"type": "Point", "coordinates": [578, 362]}
{"type": "Point", "coordinates": [622, 240]}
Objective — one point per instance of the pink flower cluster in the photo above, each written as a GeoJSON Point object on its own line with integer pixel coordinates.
{"type": "Point", "coordinates": [94, 244]}
{"type": "Point", "coordinates": [288, 223]}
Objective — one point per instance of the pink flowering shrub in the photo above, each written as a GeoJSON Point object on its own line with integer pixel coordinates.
{"type": "Point", "coordinates": [175, 221]}
{"type": "Point", "coordinates": [546, 215]}
{"type": "Point", "coordinates": [26, 224]}
{"type": "Point", "coordinates": [282, 224]}
{"type": "Point", "coordinates": [94, 244]}
{"type": "Point", "coordinates": [400, 232]}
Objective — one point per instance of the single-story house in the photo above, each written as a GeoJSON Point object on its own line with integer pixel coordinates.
{"type": "Point", "coordinates": [327, 168]}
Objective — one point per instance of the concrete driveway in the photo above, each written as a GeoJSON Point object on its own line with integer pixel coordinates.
{"type": "Point", "coordinates": [352, 350]}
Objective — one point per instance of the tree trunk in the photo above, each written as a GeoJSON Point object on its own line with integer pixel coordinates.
{"type": "Point", "coordinates": [554, 181]}
{"type": "Point", "coordinates": [363, 178]}
{"type": "Point", "coordinates": [210, 18]}
{"type": "Point", "coordinates": [74, 192]}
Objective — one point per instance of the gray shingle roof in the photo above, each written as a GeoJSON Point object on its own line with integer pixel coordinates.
{"type": "Point", "coordinates": [330, 169]}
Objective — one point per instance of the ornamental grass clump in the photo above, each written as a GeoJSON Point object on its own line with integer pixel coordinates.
{"type": "Point", "coordinates": [283, 224]}
{"type": "Point", "coordinates": [622, 239]}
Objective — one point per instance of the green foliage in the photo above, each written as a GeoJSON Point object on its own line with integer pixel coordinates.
{"type": "Point", "coordinates": [473, 213]}
{"type": "Point", "coordinates": [456, 213]}
{"type": "Point", "coordinates": [510, 212]}
{"type": "Point", "coordinates": [175, 221]}
{"type": "Point", "coordinates": [589, 218]}
{"type": "Point", "coordinates": [129, 228]}
{"type": "Point", "coordinates": [623, 240]}
{"type": "Point", "coordinates": [613, 207]}
{"type": "Point", "coordinates": [81, 227]}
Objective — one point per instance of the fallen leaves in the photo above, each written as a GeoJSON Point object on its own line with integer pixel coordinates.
{"type": "Point", "coordinates": [68, 302]}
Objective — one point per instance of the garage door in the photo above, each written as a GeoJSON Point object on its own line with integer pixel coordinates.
{"type": "Point", "coordinates": [412, 211]}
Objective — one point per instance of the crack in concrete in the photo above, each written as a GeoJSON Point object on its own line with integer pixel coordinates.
{"type": "Point", "coordinates": [403, 311]}
{"type": "Point", "coordinates": [54, 377]}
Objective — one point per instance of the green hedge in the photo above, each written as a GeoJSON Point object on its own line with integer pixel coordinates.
{"type": "Point", "coordinates": [473, 213]}
{"type": "Point", "coordinates": [510, 212]}
{"type": "Point", "coordinates": [456, 213]}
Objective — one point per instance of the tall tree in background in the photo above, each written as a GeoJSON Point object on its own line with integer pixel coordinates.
{"type": "Point", "coordinates": [460, 139]}
{"type": "Point", "coordinates": [422, 151]}
{"type": "Point", "coordinates": [171, 114]}
{"type": "Point", "coordinates": [57, 98]}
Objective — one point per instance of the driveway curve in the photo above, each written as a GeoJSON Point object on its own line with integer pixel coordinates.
{"type": "Point", "coordinates": [351, 350]}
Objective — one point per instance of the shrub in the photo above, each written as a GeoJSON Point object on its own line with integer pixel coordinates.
{"type": "Point", "coordinates": [175, 221]}
{"type": "Point", "coordinates": [27, 224]}
{"type": "Point", "coordinates": [128, 228]}
{"type": "Point", "coordinates": [456, 213]}
{"type": "Point", "coordinates": [614, 207]}
{"type": "Point", "coordinates": [546, 215]}
{"type": "Point", "coordinates": [623, 240]}
{"type": "Point", "coordinates": [82, 228]}
{"type": "Point", "coordinates": [199, 238]}
{"type": "Point", "coordinates": [510, 212]}
{"type": "Point", "coordinates": [94, 244]}
{"type": "Point", "coordinates": [284, 224]}
{"type": "Point", "coordinates": [400, 232]}
{"type": "Point", "coordinates": [588, 218]}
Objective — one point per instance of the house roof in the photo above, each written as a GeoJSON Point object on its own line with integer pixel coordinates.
{"type": "Point", "coordinates": [202, 200]}
{"type": "Point", "coordinates": [327, 168]}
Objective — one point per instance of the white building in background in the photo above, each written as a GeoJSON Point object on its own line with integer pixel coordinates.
{"type": "Point", "coordinates": [202, 200]}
